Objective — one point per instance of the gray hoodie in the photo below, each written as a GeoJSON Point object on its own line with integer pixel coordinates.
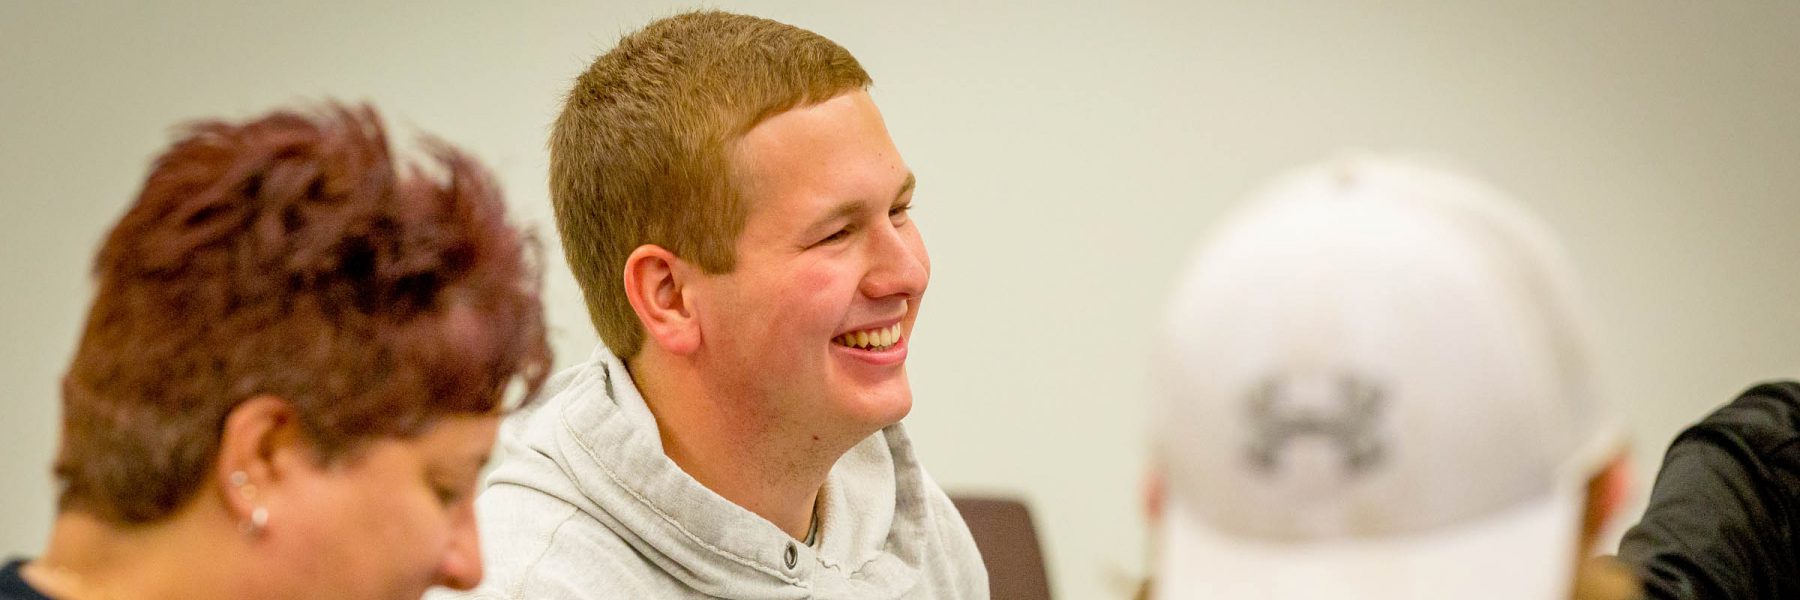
{"type": "Point", "coordinates": [584, 504]}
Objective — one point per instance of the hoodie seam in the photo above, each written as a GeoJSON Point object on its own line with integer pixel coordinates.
{"type": "Point", "coordinates": [610, 474]}
{"type": "Point", "coordinates": [841, 567]}
{"type": "Point", "coordinates": [518, 587]}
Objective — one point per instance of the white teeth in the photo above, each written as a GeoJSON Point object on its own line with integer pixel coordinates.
{"type": "Point", "coordinates": [871, 338]}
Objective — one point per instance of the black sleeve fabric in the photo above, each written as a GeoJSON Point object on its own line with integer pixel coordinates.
{"type": "Point", "coordinates": [12, 583]}
{"type": "Point", "coordinates": [1722, 515]}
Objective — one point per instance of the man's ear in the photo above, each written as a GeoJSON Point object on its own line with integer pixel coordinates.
{"type": "Point", "coordinates": [260, 445]}
{"type": "Point", "coordinates": [1155, 496]}
{"type": "Point", "coordinates": [656, 284]}
{"type": "Point", "coordinates": [1606, 495]}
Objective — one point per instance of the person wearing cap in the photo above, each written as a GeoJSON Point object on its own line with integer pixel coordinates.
{"type": "Point", "coordinates": [1374, 382]}
{"type": "Point", "coordinates": [1724, 515]}
{"type": "Point", "coordinates": [736, 215]}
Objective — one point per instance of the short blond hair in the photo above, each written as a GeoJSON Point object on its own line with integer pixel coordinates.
{"type": "Point", "coordinates": [639, 154]}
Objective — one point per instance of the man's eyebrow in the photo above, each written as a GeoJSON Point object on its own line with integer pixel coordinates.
{"type": "Point", "coordinates": [911, 182]}
{"type": "Point", "coordinates": [848, 209]}
{"type": "Point", "coordinates": [843, 211]}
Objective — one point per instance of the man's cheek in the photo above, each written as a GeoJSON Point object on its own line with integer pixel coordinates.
{"type": "Point", "coordinates": [817, 285]}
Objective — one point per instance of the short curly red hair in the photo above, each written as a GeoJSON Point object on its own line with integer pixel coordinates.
{"type": "Point", "coordinates": [288, 256]}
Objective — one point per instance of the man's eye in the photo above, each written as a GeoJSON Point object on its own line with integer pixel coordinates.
{"type": "Point", "coordinates": [898, 214]}
{"type": "Point", "coordinates": [835, 237]}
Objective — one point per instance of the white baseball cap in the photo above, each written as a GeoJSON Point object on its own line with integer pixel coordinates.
{"type": "Point", "coordinates": [1375, 382]}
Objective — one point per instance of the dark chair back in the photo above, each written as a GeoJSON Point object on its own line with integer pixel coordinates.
{"type": "Point", "coordinates": [1009, 545]}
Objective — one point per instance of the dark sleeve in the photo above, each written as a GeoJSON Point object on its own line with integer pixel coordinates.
{"type": "Point", "coordinates": [12, 583]}
{"type": "Point", "coordinates": [1720, 525]}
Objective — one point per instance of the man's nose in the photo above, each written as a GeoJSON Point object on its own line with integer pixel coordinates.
{"type": "Point", "coordinates": [899, 265]}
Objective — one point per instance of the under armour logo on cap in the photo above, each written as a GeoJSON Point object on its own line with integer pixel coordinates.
{"type": "Point", "coordinates": [1342, 411]}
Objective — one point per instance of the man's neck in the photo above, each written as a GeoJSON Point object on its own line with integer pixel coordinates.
{"type": "Point", "coordinates": [770, 464]}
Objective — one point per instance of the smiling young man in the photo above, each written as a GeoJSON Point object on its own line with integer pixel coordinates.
{"type": "Point", "coordinates": [736, 214]}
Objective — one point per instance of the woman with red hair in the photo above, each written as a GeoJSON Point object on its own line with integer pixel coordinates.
{"type": "Point", "coordinates": [291, 374]}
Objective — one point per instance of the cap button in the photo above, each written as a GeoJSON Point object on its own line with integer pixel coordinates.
{"type": "Point", "coordinates": [792, 556]}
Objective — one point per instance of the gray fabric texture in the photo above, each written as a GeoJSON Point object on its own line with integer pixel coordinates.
{"type": "Point", "coordinates": [583, 504]}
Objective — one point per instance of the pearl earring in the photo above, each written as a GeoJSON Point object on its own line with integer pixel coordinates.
{"type": "Point", "coordinates": [259, 516]}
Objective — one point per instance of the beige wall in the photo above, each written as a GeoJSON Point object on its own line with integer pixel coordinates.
{"type": "Point", "coordinates": [1067, 157]}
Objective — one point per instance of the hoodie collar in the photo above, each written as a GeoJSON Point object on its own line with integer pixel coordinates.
{"type": "Point", "coordinates": [872, 506]}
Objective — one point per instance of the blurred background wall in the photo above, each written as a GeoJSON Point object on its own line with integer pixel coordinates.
{"type": "Point", "coordinates": [1069, 154]}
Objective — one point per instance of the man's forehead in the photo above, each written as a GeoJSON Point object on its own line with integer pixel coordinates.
{"type": "Point", "coordinates": [812, 133]}
{"type": "Point", "coordinates": [812, 158]}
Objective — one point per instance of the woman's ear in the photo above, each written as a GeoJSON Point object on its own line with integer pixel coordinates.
{"type": "Point", "coordinates": [258, 446]}
{"type": "Point", "coordinates": [656, 283]}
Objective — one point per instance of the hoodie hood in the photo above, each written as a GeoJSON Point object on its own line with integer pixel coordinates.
{"type": "Point", "coordinates": [593, 444]}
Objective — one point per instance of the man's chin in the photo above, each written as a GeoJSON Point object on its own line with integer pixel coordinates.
{"type": "Point", "coordinates": [876, 409]}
